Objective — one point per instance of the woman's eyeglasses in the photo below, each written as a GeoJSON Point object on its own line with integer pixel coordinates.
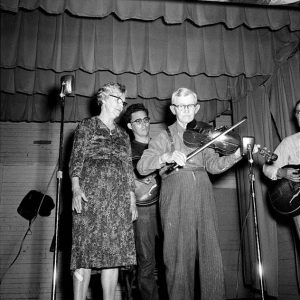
{"type": "Point", "coordinates": [120, 100]}
{"type": "Point", "coordinates": [146, 120]}
{"type": "Point", "coordinates": [184, 107]}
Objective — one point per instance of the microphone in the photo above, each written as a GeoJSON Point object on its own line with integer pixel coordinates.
{"type": "Point", "coordinates": [67, 85]}
{"type": "Point", "coordinates": [247, 144]}
{"type": "Point", "coordinates": [247, 147]}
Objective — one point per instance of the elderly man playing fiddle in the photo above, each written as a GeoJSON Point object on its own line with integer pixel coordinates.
{"type": "Point", "coordinates": [187, 205]}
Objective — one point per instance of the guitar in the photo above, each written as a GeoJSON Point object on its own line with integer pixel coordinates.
{"type": "Point", "coordinates": [285, 195]}
{"type": "Point", "coordinates": [146, 190]}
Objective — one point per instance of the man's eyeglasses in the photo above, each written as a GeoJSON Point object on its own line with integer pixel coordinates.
{"type": "Point", "coordinates": [120, 100]}
{"type": "Point", "coordinates": [185, 107]}
{"type": "Point", "coordinates": [146, 120]}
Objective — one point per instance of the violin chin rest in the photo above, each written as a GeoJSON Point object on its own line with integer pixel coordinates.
{"type": "Point", "coordinates": [198, 126]}
{"type": "Point", "coordinates": [192, 139]}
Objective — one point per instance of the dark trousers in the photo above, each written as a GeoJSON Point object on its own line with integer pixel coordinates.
{"type": "Point", "coordinates": [146, 235]}
{"type": "Point", "coordinates": [191, 248]}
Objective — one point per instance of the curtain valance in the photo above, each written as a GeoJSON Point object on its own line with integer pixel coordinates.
{"type": "Point", "coordinates": [160, 86]}
{"type": "Point", "coordinates": [35, 40]}
{"type": "Point", "coordinates": [172, 12]}
{"type": "Point", "coordinates": [41, 108]}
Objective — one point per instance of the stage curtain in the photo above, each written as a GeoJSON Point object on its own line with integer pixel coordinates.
{"type": "Point", "coordinates": [256, 107]}
{"type": "Point", "coordinates": [145, 85]}
{"type": "Point", "coordinates": [26, 90]}
{"type": "Point", "coordinates": [40, 108]}
{"type": "Point", "coordinates": [35, 40]}
{"type": "Point", "coordinates": [172, 12]}
{"type": "Point", "coordinates": [150, 58]}
{"type": "Point", "coordinates": [222, 52]}
{"type": "Point", "coordinates": [275, 99]}
{"type": "Point", "coordinates": [284, 90]}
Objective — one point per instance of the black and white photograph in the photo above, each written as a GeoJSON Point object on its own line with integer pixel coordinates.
{"type": "Point", "coordinates": [149, 149]}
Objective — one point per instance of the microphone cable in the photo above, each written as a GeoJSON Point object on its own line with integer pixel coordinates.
{"type": "Point", "coordinates": [29, 227]}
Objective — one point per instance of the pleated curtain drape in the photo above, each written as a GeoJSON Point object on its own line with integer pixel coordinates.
{"type": "Point", "coordinates": [151, 58]}
{"type": "Point", "coordinates": [172, 12]}
{"type": "Point", "coordinates": [269, 105]}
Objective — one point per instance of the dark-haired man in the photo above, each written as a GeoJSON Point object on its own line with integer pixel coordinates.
{"type": "Point", "coordinates": [146, 227]}
{"type": "Point", "coordinates": [288, 152]}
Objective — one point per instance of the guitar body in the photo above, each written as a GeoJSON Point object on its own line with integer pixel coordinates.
{"type": "Point", "coordinates": [146, 190]}
{"type": "Point", "coordinates": [285, 195]}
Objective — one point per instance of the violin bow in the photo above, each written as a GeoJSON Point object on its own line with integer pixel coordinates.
{"type": "Point", "coordinates": [174, 166]}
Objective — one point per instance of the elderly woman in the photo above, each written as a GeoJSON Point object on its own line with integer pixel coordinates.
{"type": "Point", "coordinates": [103, 196]}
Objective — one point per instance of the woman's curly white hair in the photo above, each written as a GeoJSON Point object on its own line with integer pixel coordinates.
{"type": "Point", "coordinates": [109, 88]}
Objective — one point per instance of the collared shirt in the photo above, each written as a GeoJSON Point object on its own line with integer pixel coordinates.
{"type": "Point", "coordinates": [161, 144]}
{"type": "Point", "coordinates": [137, 149]}
{"type": "Point", "coordinates": [288, 152]}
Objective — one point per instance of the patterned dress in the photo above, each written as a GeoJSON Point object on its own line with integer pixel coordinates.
{"type": "Point", "coordinates": [102, 235]}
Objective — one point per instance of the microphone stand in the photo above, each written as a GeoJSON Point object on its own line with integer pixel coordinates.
{"type": "Point", "coordinates": [253, 198]}
{"type": "Point", "coordinates": [59, 176]}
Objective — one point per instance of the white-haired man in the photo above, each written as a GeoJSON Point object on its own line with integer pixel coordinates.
{"type": "Point", "coordinates": [187, 206]}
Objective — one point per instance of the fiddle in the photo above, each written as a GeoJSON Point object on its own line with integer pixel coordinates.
{"type": "Point", "coordinates": [198, 134]}
{"type": "Point", "coordinates": [174, 166]}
